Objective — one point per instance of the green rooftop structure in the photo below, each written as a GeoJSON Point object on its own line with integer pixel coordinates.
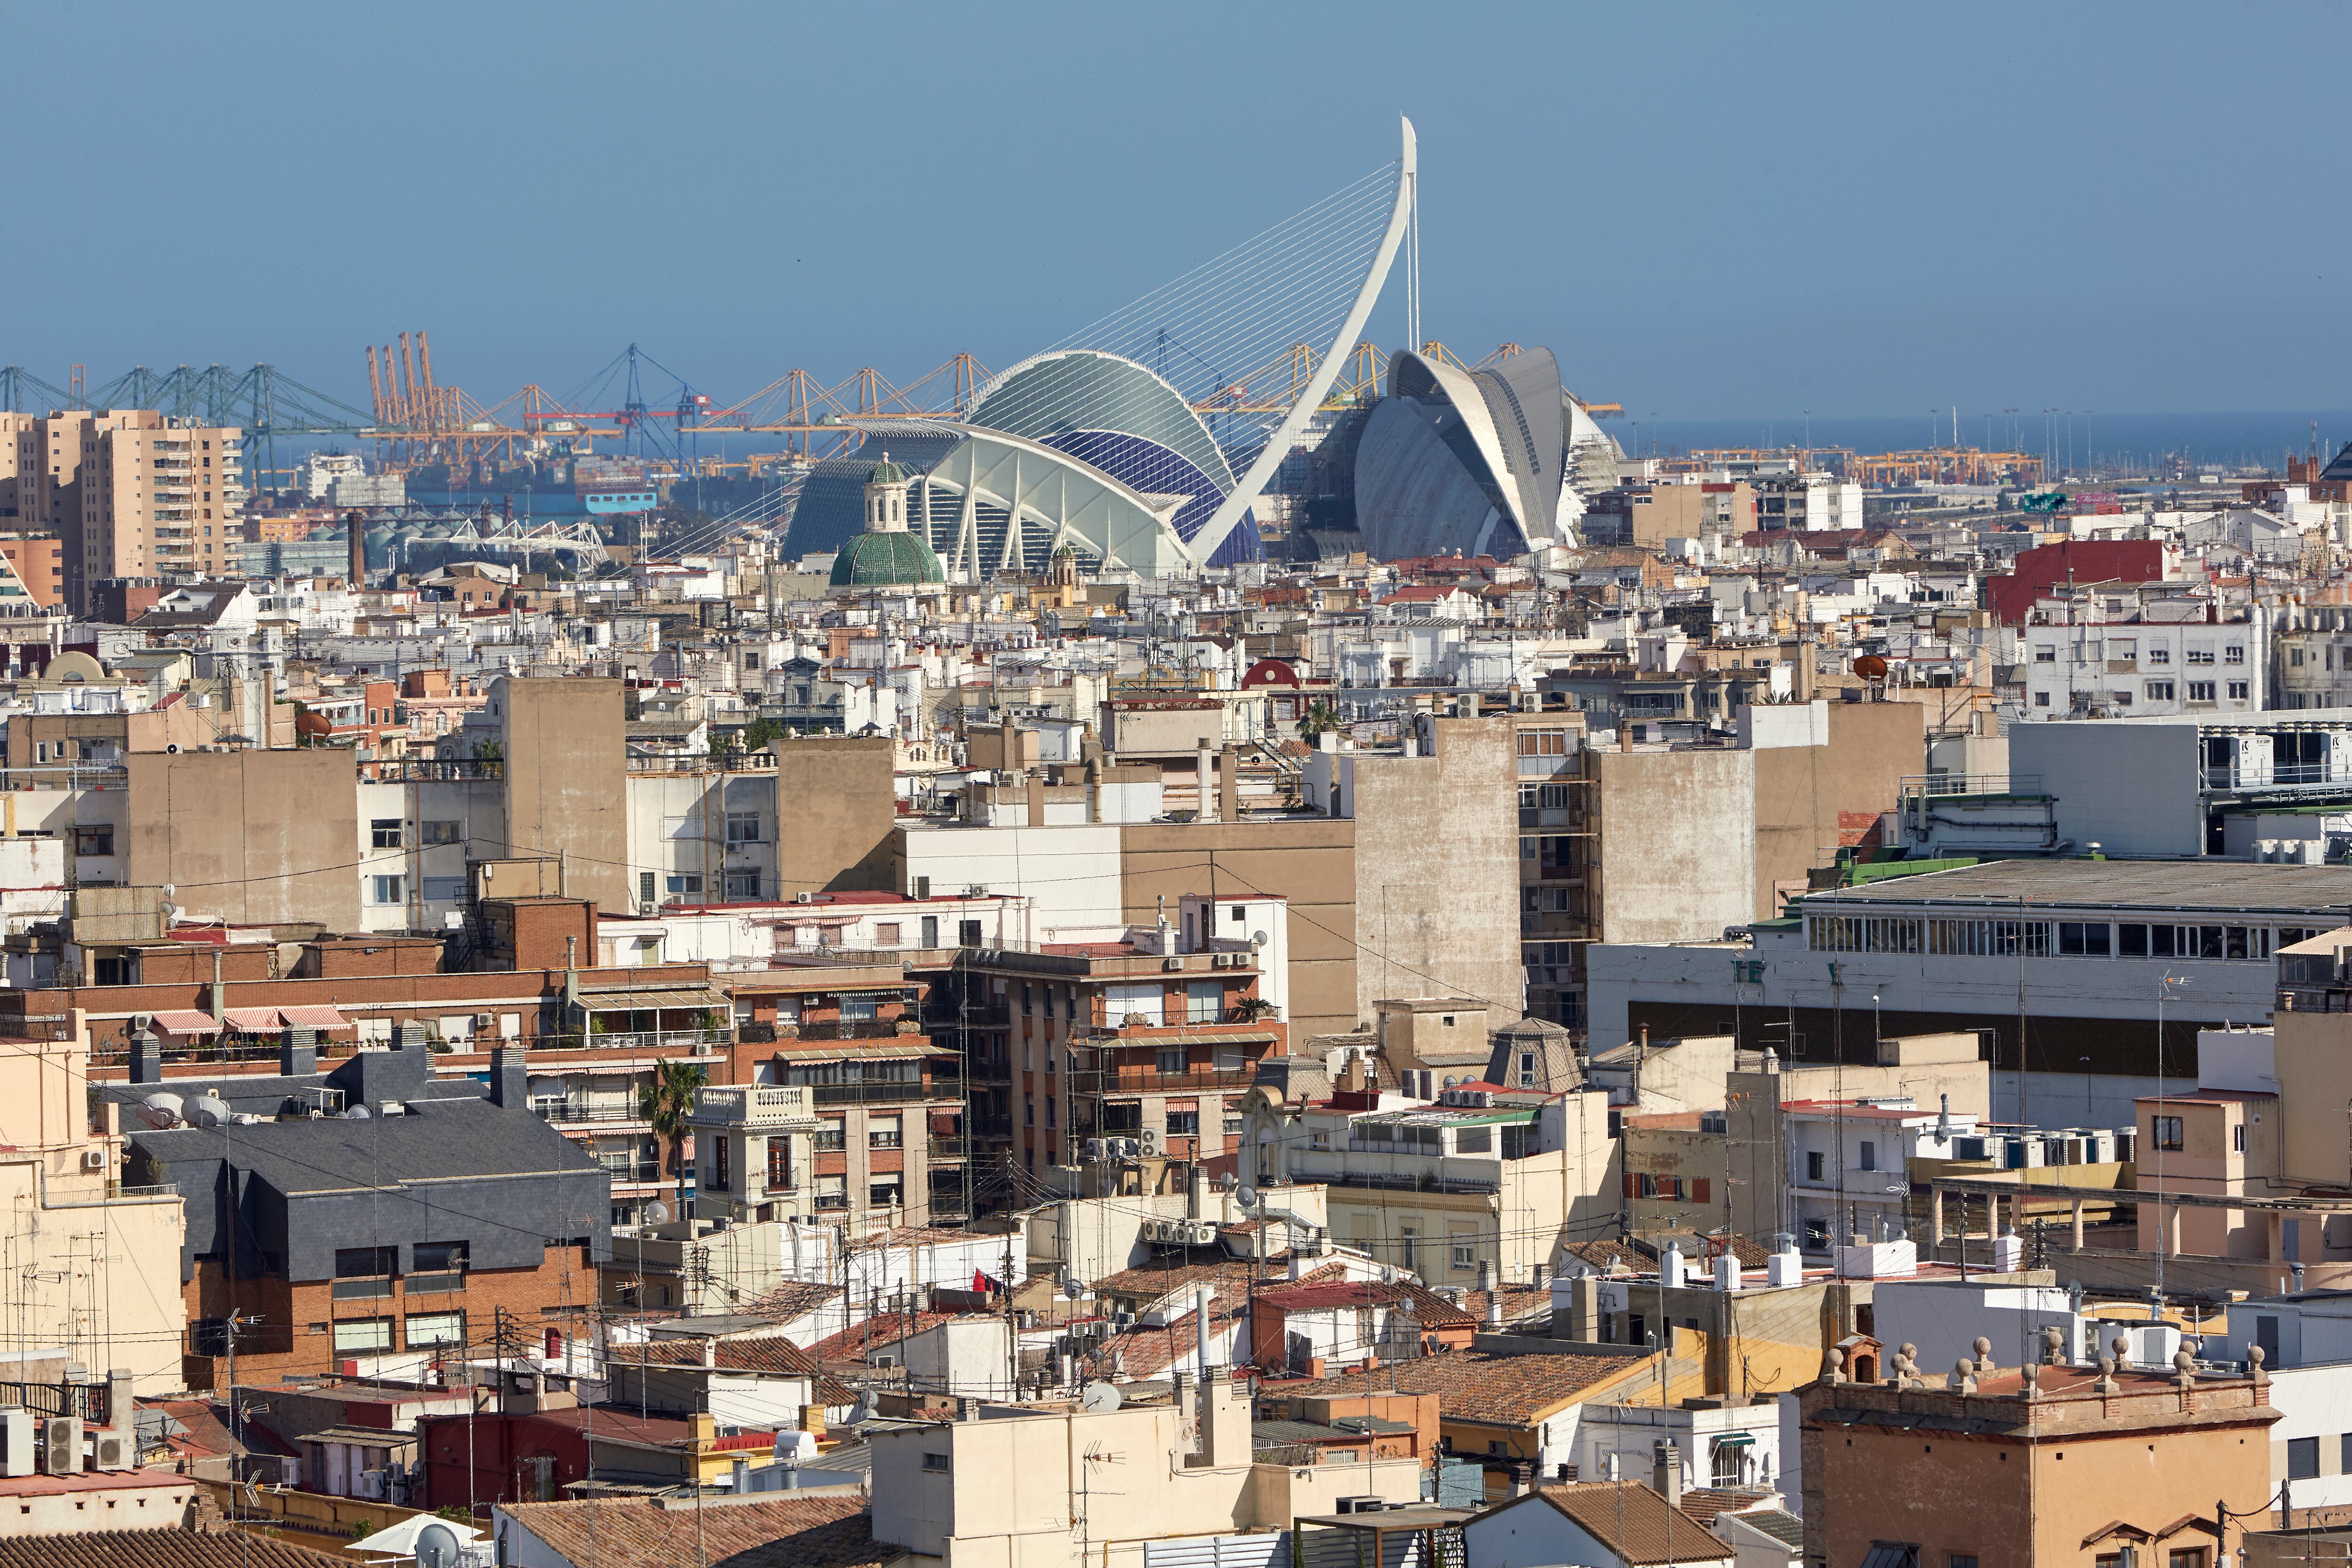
{"type": "Point", "coordinates": [886, 554]}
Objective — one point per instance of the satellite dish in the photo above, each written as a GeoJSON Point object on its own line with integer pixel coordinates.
{"type": "Point", "coordinates": [161, 1109]}
{"type": "Point", "coordinates": [1101, 1397]}
{"type": "Point", "coordinates": [438, 1547]}
{"type": "Point", "coordinates": [206, 1110]}
{"type": "Point", "coordinates": [859, 1414]}
{"type": "Point", "coordinates": [657, 1212]}
{"type": "Point", "coordinates": [1257, 939]}
{"type": "Point", "coordinates": [1870, 667]}
{"type": "Point", "coordinates": [1246, 1198]}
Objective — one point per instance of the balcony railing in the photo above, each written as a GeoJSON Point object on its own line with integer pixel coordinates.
{"type": "Point", "coordinates": [947, 1149]}
{"type": "Point", "coordinates": [439, 770]}
{"type": "Point", "coordinates": [574, 1112]}
{"type": "Point", "coordinates": [887, 1093]}
{"type": "Point", "coordinates": [642, 1171]}
{"type": "Point", "coordinates": [371, 1289]}
{"type": "Point", "coordinates": [692, 1041]}
{"type": "Point", "coordinates": [845, 1029]}
{"type": "Point", "coordinates": [435, 1284]}
{"type": "Point", "coordinates": [1127, 1080]}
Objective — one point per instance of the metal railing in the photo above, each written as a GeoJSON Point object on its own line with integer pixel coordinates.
{"type": "Point", "coordinates": [1971, 783]}
{"type": "Point", "coordinates": [889, 1092]}
{"type": "Point", "coordinates": [435, 1284]}
{"type": "Point", "coordinates": [846, 1029]}
{"type": "Point", "coordinates": [691, 1040]}
{"type": "Point", "coordinates": [90, 1401]}
{"type": "Point", "coordinates": [643, 1172]}
{"type": "Point", "coordinates": [569, 1112]}
{"type": "Point", "coordinates": [1131, 1081]}
{"type": "Point", "coordinates": [370, 1290]}
{"type": "Point", "coordinates": [939, 1148]}
{"type": "Point", "coordinates": [437, 770]}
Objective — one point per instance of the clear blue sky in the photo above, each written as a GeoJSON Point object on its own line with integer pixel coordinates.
{"type": "Point", "coordinates": [1706, 211]}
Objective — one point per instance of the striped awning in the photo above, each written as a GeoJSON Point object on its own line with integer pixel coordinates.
{"type": "Point", "coordinates": [184, 1021]}
{"type": "Point", "coordinates": [650, 1001]}
{"type": "Point", "coordinates": [314, 1017]}
{"type": "Point", "coordinates": [253, 1019]}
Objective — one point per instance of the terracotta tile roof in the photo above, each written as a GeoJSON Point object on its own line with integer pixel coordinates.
{"type": "Point", "coordinates": [792, 1298]}
{"type": "Point", "coordinates": [774, 1355]}
{"type": "Point", "coordinates": [1607, 1254]}
{"type": "Point", "coordinates": [158, 1549]}
{"type": "Point", "coordinates": [1634, 1523]}
{"type": "Point", "coordinates": [1703, 1503]}
{"type": "Point", "coordinates": [789, 1532]}
{"type": "Point", "coordinates": [855, 1342]}
{"type": "Point", "coordinates": [1470, 1385]}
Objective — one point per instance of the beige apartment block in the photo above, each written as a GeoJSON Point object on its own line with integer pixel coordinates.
{"type": "Point", "coordinates": [94, 1266]}
{"type": "Point", "coordinates": [129, 493]}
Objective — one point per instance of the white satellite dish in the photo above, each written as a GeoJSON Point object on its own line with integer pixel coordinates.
{"type": "Point", "coordinates": [1246, 1197]}
{"type": "Point", "coordinates": [657, 1212]}
{"type": "Point", "coordinates": [1100, 1397]}
{"type": "Point", "coordinates": [438, 1547]}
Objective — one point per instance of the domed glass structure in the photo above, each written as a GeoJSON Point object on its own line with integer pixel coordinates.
{"type": "Point", "coordinates": [886, 560]}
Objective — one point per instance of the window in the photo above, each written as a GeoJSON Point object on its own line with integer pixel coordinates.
{"type": "Point", "coordinates": [437, 1258]}
{"type": "Point", "coordinates": [743, 827]}
{"type": "Point", "coordinates": [1958, 1559]}
{"type": "Point", "coordinates": [645, 894]}
{"type": "Point", "coordinates": [2197, 655]}
{"type": "Point", "coordinates": [1184, 1124]}
{"type": "Point", "coordinates": [828, 1137]}
{"type": "Point", "coordinates": [886, 933]}
{"type": "Point", "coordinates": [424, 1330]}
{"type": "Point", "coordinates": [2167, 1133]}
{"type": "Point", "coordinates": [2201, 691]}
{"type": "Point", "coordinates": [930, 931]}
{"type": "Point", "coordinates": [1543, 742]}
{"type": "Point", "coordinates": [1204, 1001]}
{"type": "Point", "coordinates": [882, 1133]}
{"type": "Point", "coordinates": [780, 1164]}
{"type": "Point", "coordinates": [1869, 1155]}
{"type": "Point", "coordinates": [2301, 1459]}
{"type": "Point", "coordinates": [742, 886]}
{"type": "Point", "coordinates": [1170, 1059]}
{"type": "Point", "coordinates": [1148, 1003]}
{"type": "Point", "coordinates": [2185, 1557]}
{"type": "Point", "coordinates": [2238, 693]}
{"type": "Point", "coordinates": [860, 1009]}
{"type": "Point", "coordinates": [2160, 690]}
{"type": "Point", "coordinates": [2041, 700]}
{"type": "Point", "coordinates": [384, 833]}
{"type": "Point", "coordinates": [721, 1178]}
{"type": "Point", "coordinates": [1816, 1165]}
{"type": "Point", "coordinates": [1233, 1126]}
{"type": "Point", "coordinates": [882, 1193]}
{"type": "Point", "coordinates": [1473, 1140]}
{"type": "Point", "coordinates": [387, 890]}
{"type": "Point", "coordinates": [2045, 653]}
{"type": "Point", "coordinates": [93, 840]}
{"type": "Point", "coordinates": [682, 886]}
{"type": "Point", "coordinates": [936, 1463]}
{"type": "Point", "coordinates": [364, 1334]}
{"type": "Point", "coordinates": [2235, 653]}
{"type": "Point", "coordinates": [2081, 940]}
{"type": "Point", "coordinates": [365, 1262]}
{"type": "Point", "coordinates": [2238, 1139]}
{"type": "Point", "coordinates": [2157, 653]}
{"type": "Point", "coordinates": [1465, 1253]}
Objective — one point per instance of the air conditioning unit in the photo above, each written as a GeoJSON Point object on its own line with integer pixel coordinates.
{"type": "Point", "coordinates": [804, 897]}
{"type": "Point", "coordinates": [371, 1484]}
{"type": "Point", "coordinates": [1150, 1142]}
{"type": "Point", "coordinates": [115, 1452]}
{"type": "Point", "coordinates": [1172, 964]}
{"type": "Point", "coordinates": [93, 1159]}
{"type": "Point", "coordinates": [142, 1021]}
{"type": "Point", "coordinates": [1093, 1150]}
{"type": "Point", "coordinates": [61, 1445]}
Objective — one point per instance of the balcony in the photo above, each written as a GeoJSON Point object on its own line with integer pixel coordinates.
{"type": "Point", "coordinates": [946, 1151]}
{"type": "Point", "coordinates": [375, 1288]}
{"type": "Point", "coordinates": [763, 1105]}
{"type": "Point", "coordinates": [1129, 1081]}
{"type": "Point", "coordinates": [690, 1042]}
{"type": "Point", "coordinates": [578, 1113]}
{"type": "Point", "coordinates": [888, 1091]}
{"type": "Point", "coordinates": [435, 1284]}
{"type": "Point", "coordinates": [848, 1029]}
{"type": "Point", "coordinates": [640, 1172]}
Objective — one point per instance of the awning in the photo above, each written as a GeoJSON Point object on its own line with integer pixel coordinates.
{"type": "Point", "coordinates": [187, 1022]}
{"type": "Point", "coordinates": [1892, 1554]}
{"type": "Point", "coordinates": [650, 1001]}
{"type": "Point", "coordinates": [1735, 1441]}
{"type": "Point", "coordinates": [318, 1016]}
{"type": "Point", "coordinates": [254, 1019]}
{"type": "Point", "coordinates": [859, 1050]}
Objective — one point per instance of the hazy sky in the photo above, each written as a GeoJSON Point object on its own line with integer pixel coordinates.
{"type": "Point", "coordinates": [1706, 211]}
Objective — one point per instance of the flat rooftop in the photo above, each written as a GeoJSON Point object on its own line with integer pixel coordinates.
{"type": "Point", "coordinates": [2218, 885]}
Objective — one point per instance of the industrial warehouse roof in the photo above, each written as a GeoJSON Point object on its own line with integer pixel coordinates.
{"type": "Point", "coordinates": [2218, 885]}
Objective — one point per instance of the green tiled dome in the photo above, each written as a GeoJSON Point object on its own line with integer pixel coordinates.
{"type": "Point", "coordinates": [882, 560]}
{"type": "Point", "coordinates": [887, 473]}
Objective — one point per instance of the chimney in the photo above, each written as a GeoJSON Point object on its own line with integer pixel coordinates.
{"type": "Point", "coordinates": [1204, 781]}
{"type": "Point", "coordinates": [740, 1474]}
{"type": "Point", "coordinates": [298, 1051]}
{"type": "Point", "coordinates": [509, 1088]}
{"type": "Point", "coordinates": [1200, 1301]}
{"type": "Point", "coordinates": [1521, 1476]}
{"type": "Point", "coordinates": [1196, 1193]}
{"type": "Point", "coordinates": [356, 537]}
{"type": "Point", "coordinates": [709, 1351]}
{"type": "Point", "coordinates": [1668, 1478]}
{"type": "Point", "coordinates": [146, 1057]}
{"type": "Point", "coordinates": [1494, 1289]}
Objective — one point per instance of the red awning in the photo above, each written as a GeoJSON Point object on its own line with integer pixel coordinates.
{"type": "Point", "coordinates": [314, 1017]}
{"type": "Point", "coordinates": [188, 1023]}
{"type": "Point", "coordinates": [253, 1019]}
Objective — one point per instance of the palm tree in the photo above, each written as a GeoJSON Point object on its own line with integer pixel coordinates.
{"type": "Point", "coordinates": [667, 1103]}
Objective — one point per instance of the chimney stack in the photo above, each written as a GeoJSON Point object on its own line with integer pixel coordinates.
{"type": "Point", "coordinates": [1667, 1478]}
